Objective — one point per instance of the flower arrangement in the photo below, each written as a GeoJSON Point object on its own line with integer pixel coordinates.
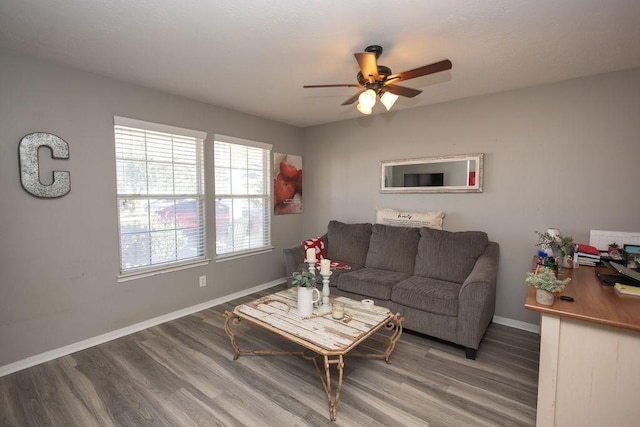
{"type": "Point", "coordinates": [303, 279]}
{"type": "Point", "coordinates": [560, 245]}
{"type": "Point", "coordinates": [544, 278]}
{"type": "Point", "coordinates": [545, 260]}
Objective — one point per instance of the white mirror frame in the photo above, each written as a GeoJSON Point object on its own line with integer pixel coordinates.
{"type": "Point", "coordinates": [386, 171]}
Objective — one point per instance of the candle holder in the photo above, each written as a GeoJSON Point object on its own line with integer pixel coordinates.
{"type": "Point", "coordinates": [326, 306]}
{"type": "Point", "coordinates": [312, 267]}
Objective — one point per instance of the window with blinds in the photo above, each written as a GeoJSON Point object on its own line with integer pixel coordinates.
{"type": "Point", "coordinates": [242, 196]}
{"type": "Point", "coordinates": [160, 192]}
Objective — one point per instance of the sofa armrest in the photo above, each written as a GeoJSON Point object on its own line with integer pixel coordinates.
{"type": "Point", "coordinates": [486, 267]}
{"type": "Point", "coordinates": [477, 298]}
{"type": "Point", "coordinates": [293, 257]}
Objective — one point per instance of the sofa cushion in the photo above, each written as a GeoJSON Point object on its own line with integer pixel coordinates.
{"type": "Point", "coordinates": [371, 282]}
{"type": "Point", "coordinates": [426, 294]}
{"type": "Point", "coordinates": [393, 248]}
{"type": "Point", "coordinates": [447, 255]}
{"type": "Point", "coordinates": [348, 242]}
{"type": "Point", "coordinates": [335, 274]}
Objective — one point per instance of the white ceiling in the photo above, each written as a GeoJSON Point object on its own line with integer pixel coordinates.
{"type": "Point", "coordinates": [254, 56]}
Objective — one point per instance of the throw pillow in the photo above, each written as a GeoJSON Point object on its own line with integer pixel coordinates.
{"type": "Point", "coordinates": [336, 265]}
{"type": "Point", "coordinates": [316, 244]}
{"type": "Point", "coordinates": [410, 219]}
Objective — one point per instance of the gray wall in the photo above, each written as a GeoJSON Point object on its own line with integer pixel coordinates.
{"type": "Point", "coordinates": [563, 155]}
{"type": "Point", "coordinates": [59, 258]}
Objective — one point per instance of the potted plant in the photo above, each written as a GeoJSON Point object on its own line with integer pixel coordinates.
{"type": "Point", "coordinates": [303, 279]}
{"type": "Point", "coordinates": [546, 284]}
{"type": "Point", "coordinates": [614, 249]}
{"type": "Point", "coordinates": [306, 284]}
{"type": "Point", "coordinates": [560, 245]}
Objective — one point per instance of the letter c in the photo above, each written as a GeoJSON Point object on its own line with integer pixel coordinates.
{"type": "Point", "coordinates": [29, 167]}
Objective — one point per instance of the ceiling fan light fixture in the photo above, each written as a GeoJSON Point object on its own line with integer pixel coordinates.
{"type": "Point", "coordinates": [363, 109]}
{"type": "Point", "coordinates": [375, 80]}
{"type": "Point", "coordinates": [388, 99]}
{"type": "Point", "coordinates": [367, 99]}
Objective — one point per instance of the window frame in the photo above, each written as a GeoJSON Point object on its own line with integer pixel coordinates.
{"type": "Point", "coordinates": [266, 196]}
{"type": "Point", "coordinates": [173, 134]}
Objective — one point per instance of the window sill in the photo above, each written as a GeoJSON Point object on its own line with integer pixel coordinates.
{"type": "Point", "coordinates": [236, 255]}
{"type": "Point", "coordinates": [125, 277]}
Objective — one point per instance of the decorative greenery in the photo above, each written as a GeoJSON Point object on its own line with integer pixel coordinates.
{"type": "Point", "coordinates": [559, 245]}
{"type": "Point", "coordinates": [303, 279]}
{"type": "Point", "coordinates": [546, 279]}
{"type": "Point", "coordinates": [614, 245]}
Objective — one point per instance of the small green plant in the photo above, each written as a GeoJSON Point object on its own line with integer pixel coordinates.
{"type": "Point", "coordinates": [614, 245]}
{"type": "Point", "coordinates": [303, 279]}
{"type": "Point", "coordinates": [560, 245]}
{"type": "Point", "coordinates": [547, 280]}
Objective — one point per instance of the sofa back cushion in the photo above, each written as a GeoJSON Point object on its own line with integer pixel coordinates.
{"type": "Point", "coordinates": [393, 248]}
{"type": "Point", "coordinates": [447, 255]}
{"type": "Point", "coordinates": [348, 242]}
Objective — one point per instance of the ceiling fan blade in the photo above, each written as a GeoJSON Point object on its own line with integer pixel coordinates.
{"type": "Point", "coordinates": [368, 65]}
{"type": "Point", "coordinates": [333, 85]}
{"type": "Point", "coordinates": [353, 99]}
{"type": "Point", "coordinates": [402, 91]}
{"type": "Point", "coordinates": [422, 71]}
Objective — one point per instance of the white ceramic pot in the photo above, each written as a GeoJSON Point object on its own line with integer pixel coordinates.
{"type": "Point", "coordinates": [567, 261]}
{"type": "Point", "coordinates": [306, 300]}
{"type": "Point", "coordinates": [544, 297]}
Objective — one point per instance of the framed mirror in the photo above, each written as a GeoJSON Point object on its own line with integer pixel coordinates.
{"type": "Point", "coordinates": [445, 174]}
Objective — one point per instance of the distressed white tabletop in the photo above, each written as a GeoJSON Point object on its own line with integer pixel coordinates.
{"type": "Point", "coordinates": [322, 334]}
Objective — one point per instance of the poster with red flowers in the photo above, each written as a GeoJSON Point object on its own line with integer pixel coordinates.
{"type": "Point", "coordinates": [287, 184]}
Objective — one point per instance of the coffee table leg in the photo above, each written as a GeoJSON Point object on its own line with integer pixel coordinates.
{"type": "Point", "coordinates": [396, 324]}
{"type": "Point", "coordinates": [229, 316]}
{"type": "Point", "coordinates": [326, 381]}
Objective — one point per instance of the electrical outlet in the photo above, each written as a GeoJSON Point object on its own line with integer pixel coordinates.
{"type": "Point", "coordinates": [203, 281]}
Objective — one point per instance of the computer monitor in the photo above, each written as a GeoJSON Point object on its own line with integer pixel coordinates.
{"type": "Point", "coordinates": [626, 272]}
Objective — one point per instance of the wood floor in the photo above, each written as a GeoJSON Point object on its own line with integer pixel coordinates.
{"type": "Point", "coordinates": [182, 373]}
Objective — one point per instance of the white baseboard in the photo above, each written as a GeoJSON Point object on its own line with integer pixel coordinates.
{"type": "Point", "coordinates": [517, 324]}
{"type": "Point", "coordinates": [90, 342]}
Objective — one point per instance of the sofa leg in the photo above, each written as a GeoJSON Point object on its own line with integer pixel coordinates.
{"type": "Point", "coordinates": [470, 353]}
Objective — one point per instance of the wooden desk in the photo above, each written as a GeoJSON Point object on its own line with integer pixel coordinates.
{"type": "Point", "coordinates": [589, 355]}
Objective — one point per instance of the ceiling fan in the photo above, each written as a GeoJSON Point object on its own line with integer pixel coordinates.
{"type": "Point", "coordinates": [376, 80]}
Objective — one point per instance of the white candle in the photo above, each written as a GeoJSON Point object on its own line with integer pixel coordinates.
{"type": "Point", "coordinates": [311, 255]}
{"type": "Point", "coordinates": [325, 266]}
{"type": "Point", "coordinates": [337, 311]}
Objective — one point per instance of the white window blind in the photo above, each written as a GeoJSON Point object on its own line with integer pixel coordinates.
{"type": "Point", "coordinates": [242, 196]}
{"type": "Point", "coordinates": [160, 192]}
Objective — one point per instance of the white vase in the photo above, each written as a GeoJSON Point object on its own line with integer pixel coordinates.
{"type": "Point", "coordinates": [567, 261]}
{"type": "Point", "coordinates": [306, 300]}
{"type": "Point", "coordinates": [544, 297]}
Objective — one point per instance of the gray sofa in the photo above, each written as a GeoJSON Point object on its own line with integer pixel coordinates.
{"type": "Point", "coordinates": [443, 283]}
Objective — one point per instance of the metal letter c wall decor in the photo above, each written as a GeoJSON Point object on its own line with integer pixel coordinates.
{"type": "Point", "coordinates": [29, 166]}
